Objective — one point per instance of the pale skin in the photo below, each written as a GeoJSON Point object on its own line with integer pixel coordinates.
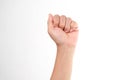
{"type": "Point", "coordinates": [64, 32]}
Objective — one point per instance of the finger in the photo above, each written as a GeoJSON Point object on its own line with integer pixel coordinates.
{"type": "Point", "coordinates": [50, 21]}
{"type": "Point", "coordinates": [73, 26]}
{"type": "Point", "coordinates": [62, 22]}
{"type": "Point", "coordinates": [67, 26]}
{"type": "Point", "coordinates": [56, 20]}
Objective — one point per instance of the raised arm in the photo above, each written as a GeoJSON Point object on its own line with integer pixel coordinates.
{"type": "Point", "coordinates": [63, 31]}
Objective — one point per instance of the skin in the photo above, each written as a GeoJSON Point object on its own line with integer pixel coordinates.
{"type": "Point", "coordinates": [63, 30]}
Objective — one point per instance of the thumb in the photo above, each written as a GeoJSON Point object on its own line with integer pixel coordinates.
{"type": "Point", "coordinates": [50, 21]}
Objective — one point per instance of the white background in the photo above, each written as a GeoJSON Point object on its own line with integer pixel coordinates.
{"type": "Point", "coordinates": [28, 53]}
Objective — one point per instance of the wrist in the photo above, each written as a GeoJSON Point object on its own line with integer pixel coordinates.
{"type": "Point", "coordinates": [65, 49]}
{"type": "Point", "coordinates": [65, 45]}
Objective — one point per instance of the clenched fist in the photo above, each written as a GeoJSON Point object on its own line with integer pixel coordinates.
{"type": "Point", "coordinates": [63, 30]}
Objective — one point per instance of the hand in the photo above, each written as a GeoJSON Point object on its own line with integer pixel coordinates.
{"type": "Point", "coordinates": [63, 30]}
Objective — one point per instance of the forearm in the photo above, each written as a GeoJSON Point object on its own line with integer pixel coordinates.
{"type": "Point", "coordinates": [63, 64]}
